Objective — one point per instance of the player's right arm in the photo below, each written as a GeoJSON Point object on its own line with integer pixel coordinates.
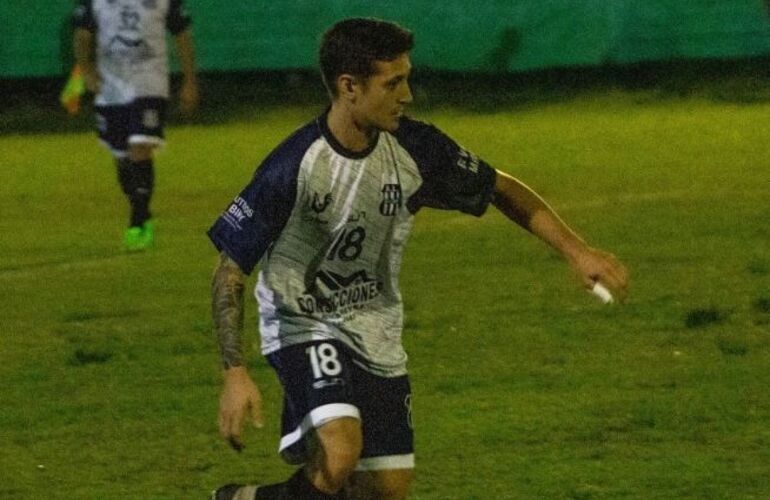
{"type": "Point", "coordinates": [84, 24]}
{"type": "Point", "coordinates": [240, 396]}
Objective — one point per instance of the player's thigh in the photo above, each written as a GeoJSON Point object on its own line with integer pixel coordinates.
{"type": "Point", "coordinates": [390, 484]}
{"type": "Point", "coordinates": [140, 151]}
{"type": "Point", "coordinates": [112, 127]}
{"type": "Point", "coordinates": [316, 379]}
{"type": "Point", "coordinates": [335, 446]}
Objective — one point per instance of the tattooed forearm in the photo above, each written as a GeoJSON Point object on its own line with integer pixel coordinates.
{"type": "Point", "coordinates": [227, 310]}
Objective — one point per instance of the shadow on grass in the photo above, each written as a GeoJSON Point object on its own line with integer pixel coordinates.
{"type": "Point", "coordinates": [83, 357]}
{"type": "Point", "coordinates": [700, 318]}
{"type": "Point", "coordinates": [732, 346]}
{"type": "Point", "coordinates": [762, 305]}
{"type": "Point", "coordinates": [82, 316]}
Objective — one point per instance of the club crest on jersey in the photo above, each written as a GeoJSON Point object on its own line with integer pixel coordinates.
{"type": "Point", "coordinates": [150, 119]}
{"type": "Point", "coordinates": [319, 206]}
{"type": "Point", "coordinates": [391, 199]}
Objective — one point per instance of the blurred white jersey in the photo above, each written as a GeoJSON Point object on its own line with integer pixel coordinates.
{"type": "Point", "coordinates": [131, 52]}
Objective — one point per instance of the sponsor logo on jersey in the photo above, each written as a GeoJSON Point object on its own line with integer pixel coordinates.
{"type": "Point", "coordinates": [358, 216]}
{"type": "Point", "coordinates": [333, 294]}
{"type": "Point", "coordinates": [237, 211]}
{"type": "Point", "coordinates": [468, 161]}
{"type": "Point", "coordinates": [132, 51]}
{"type": "Point", "coordinates": [330, 382]}
{"type": "Point", "coordinates": [391, 199]}
{"type": "Point", "coordinates": [318, 205]}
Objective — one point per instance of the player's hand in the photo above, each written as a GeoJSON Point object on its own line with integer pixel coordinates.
{"type": "Point", "coordinates": [240, 399]}
{"type": "Point", "coordinates": [189, 97]}
{"type": "Point", "coordinates": [593, 265]}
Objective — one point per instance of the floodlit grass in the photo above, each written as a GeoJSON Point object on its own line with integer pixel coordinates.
{"type": "Point", "coordinates": [525, 386]}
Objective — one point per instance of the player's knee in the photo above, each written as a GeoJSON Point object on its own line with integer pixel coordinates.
{"type": "Point", "coordinates": [339, 448]}
{"type": "Point", "coordinates": [338, 468]}
{"type": "Point", "coordinates": [140, 152]}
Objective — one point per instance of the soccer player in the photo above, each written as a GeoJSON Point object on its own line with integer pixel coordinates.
{"type": "Point", "coordinates": [120, 46]}
{"type": "Point", "coordinates": [326, 217]}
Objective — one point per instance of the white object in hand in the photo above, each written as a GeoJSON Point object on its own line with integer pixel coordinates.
{"type": "Point", "coordinates": [603, 293]}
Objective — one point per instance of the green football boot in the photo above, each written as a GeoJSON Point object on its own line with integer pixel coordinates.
{"type": "Point", "coordinates": [132, 239]}
{"type": "Point", "coordinates": [138, 238]}
{"type": "Point", "coordinates": [148, 233]}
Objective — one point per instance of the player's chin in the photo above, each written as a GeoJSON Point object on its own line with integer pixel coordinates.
{"type": "Point", "coordinates": [392, 124]}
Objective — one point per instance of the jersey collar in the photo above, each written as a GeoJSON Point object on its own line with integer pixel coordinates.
{"type": "Point", "coordinates": [335, 144]}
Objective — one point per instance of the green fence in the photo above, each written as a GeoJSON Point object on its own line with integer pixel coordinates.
{"type": "Point", "coordinates": [490, 35]}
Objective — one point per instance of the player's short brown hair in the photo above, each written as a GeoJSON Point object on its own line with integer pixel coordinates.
{"type": "Point", "coordinates": [353, 45]}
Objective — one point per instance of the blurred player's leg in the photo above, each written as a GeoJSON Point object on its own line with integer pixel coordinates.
{"type": "Point", "coordinates": [144, 132]}
{"type": "Point", "coordinates": [136, 174]}
{"type": "Point", "coordinates": [297, 487]}
{"type": "Point", "coordinates": [335, 448]}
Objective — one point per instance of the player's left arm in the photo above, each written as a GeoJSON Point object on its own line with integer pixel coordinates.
{"type": "Point", "coordinates": [83, 47]}
{"type": "Point", "coordinates": [189, 95]}
{"type": "Point", "coordinates": [525, 207]}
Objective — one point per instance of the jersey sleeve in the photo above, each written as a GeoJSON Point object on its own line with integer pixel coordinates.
{"type": "Point", "coordinates": [254, 220]}
{"type": "Point", "coordinates": [256, 217]}
{"type": "Point", "coordinates": [177, 19]}
{"type": "Point", "coordinates": [452, 177]}
{"type": "Point", "coordinates": [83, 16]}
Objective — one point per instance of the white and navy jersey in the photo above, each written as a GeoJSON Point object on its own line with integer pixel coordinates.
{"type": "Point", "coordinates": [328, 228]}
{"type": "Point", "coordinates": [131, 53]}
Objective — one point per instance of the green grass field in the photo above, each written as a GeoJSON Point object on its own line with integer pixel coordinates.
{"type": "Point", "coordinates": [525, 386]}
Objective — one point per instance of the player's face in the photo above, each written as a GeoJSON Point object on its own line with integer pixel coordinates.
{"type": "Point", "coordinates": [382, 98]}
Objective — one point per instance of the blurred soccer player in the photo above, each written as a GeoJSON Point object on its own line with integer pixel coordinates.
{"type": "Point", "coordinates": [326, 217]}
{"type": "Point", "coordinates": [121, 48]}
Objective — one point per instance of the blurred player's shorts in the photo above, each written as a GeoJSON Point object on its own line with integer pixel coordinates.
{"type": "Point", "coordinates": [140, 122]}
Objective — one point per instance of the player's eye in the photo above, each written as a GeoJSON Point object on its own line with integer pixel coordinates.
{"type": "Point", "coordinates": [392, 84]}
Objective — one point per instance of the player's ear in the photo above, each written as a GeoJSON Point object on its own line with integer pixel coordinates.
{"type": "Point", "coordinates": [346, 86]}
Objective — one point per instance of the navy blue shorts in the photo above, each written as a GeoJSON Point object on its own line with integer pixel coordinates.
{"type": "Point", "coordinates": [322, 382]}
{"type": "Point", "coordinates": [140, 122]}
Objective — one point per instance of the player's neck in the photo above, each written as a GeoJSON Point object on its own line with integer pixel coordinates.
{"type": "Point", "coordinates": [350, 134]}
